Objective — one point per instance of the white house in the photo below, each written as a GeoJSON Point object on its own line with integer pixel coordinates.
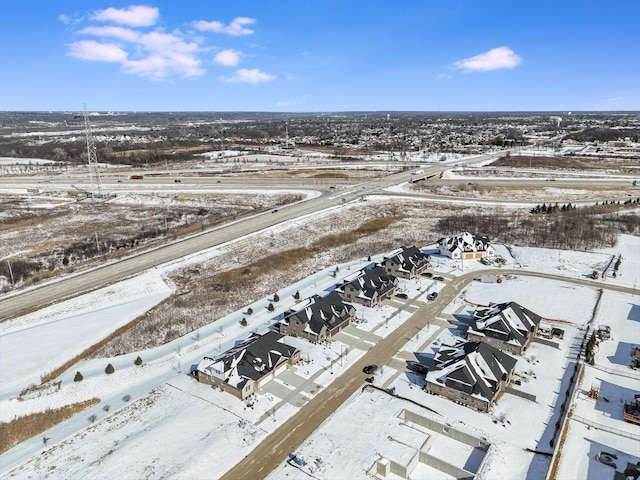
{"type": "Point", "coordinates": [465, 246]}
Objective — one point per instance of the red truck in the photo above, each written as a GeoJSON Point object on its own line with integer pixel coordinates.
{"type": "Point", "coordinates": [136, 177]}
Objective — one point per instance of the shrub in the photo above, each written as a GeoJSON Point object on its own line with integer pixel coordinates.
{"type": "Point", "coordinates": [249, 311]}
{"type": "Point", "coordinates": [297, 295]}
{"type": "Point", "coordinates": [138, 361]}
{"type": "Point", "coordinates": [126, 398]}
{"type": "Point", "coordinates": [109, 370]}
{"type": "Point", "coordinates": [276, 298]}
{"type": "Point", "coordinates": [93, 418]}
{"type": "Point", "coordinates": [244, 322]}
{"type": "Point", "coordinates": [106, 407]}
{"type": "Point", "coordinates": [78, 377]}
{"type": "Point", "coordinates": [270, 307]}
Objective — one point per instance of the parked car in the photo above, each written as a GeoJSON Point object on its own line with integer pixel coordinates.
{"type": "Point", "coordinates": [427, 274]}
{"type": "Point", "coordinates": [274, 211]}
{"type": "Point", "coordinates": [401, 295]}
{"type": "Point", "coordinates": [432, 296]}
{"type": "Point", "coordinates": [440, 279]}
{"type": "Point", "coordinates": [370, 369]}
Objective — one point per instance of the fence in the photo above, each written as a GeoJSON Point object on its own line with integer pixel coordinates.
{"type": "Point", "coordinates": [526, 396]}
{"type": "Point", "coordinates": [605, 428]}
{"type": "Point", "coordinates": [615, 371]}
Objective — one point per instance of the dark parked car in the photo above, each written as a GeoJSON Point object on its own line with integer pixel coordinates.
{"type": "Point", "coordinates": [432, 296]}
{"type": "Point", "coordinates": [369, 369]}
{"type": "Point", "coordinates": [440, 279]}
{"type": "Point", "coordinates": [427, 274]}
{"type": "Point", "coordinates": [402, 296]}
{"type": "Point", "coordinates": [274, 211]}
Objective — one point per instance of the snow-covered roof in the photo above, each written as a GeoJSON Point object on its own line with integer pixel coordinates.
{"type": "Point", "coordinates": [508, 321]}
{"type": "Point", "coordinates": [475, 368]}
{"type": "Point", "coordinates": [250, 360]}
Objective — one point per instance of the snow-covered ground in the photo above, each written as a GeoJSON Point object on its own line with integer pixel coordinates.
{"type": "Point", "coordinates": [174, 427]}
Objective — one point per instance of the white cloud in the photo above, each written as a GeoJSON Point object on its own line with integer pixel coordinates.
{"type": "Point", "coordinates": [614, 99]}
{"type": "Point", "coordinates": [120, 33]}
{"type": "Point", "coordinates": [494, 59]}
{"type": "Point", "coordinates": [235, 28]}
{"type": "Point", "coordinates": [97, 52]}
{"type": "Point", "coordinates": [252, 75]}
{"type": "Point", "coordinates": [228, 58]}
{"type": "Point", "coordinates": [152, 53]}
{"type": "Point", "coordinates": [288, 103]}
{"type": "Point", "coordinates": [134, 16]}
{"type": "Point", "coordinates": [69, 20]}
{"type": "Point", "coordinates": [443, 76]}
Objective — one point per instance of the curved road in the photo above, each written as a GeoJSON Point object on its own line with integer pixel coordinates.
{"type": "Point", "coordinates": [275, 448]}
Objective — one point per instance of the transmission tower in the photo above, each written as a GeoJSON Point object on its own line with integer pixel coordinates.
{"type": "Point", "coordinates": [93, 159]}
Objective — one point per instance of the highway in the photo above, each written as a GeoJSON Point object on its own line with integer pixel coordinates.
{"type": "Point", "coordinates": [32, 299]}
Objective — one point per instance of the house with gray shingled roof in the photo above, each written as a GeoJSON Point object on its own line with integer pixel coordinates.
{"type": "Point", "coordinates": [318, 318]}
{"type": "Point", "coordinates": [369, 286]}
{"type": "Point", "coordinates": [507, 326]}
{"type": "Point", "coordinates": [406, 262]}
{"type": "Point", "coordinates": [246, 367]}
{"type": "Point", "coordinates": [470, 373]}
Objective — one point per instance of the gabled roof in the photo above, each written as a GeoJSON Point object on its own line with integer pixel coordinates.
{"type": "Point", "coordinates": [250, 360]}
{"type": "Point", "coordinates": [508, 321]}
{"type": "Point", "coordinates": [466, 242]}
{"type": "Point", "coordinates": [369, 281]}
{"type": "Point", "coordinates": [328, 312]}
{"type": "Point", "coordinates": [408, 258]}
{"type": "Point", "coordinates": [472, 367]}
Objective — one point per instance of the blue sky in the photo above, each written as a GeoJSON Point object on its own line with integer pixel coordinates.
{"type": "Point", "coordinates": [320, 55]}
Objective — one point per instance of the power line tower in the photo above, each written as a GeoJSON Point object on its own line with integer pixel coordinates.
{"type": "Point", "coordinates": [94, 173]}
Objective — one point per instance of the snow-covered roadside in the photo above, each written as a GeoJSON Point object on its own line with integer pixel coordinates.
{"type": "Point", "coordinates": [169, 363]}
{"type": "Point", "coordinates": [34, 344]}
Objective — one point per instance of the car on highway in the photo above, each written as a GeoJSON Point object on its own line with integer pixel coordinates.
{"type": "Point", "coordinates": [177, 180]}
{"type": "Point", "coordinates": [274, 210]}
{"type": "Point", "coordinates": [432, 296]}
{"type": "Point", "coordinates": [440, 279]}
{"type": "Point", "coordinates": [403, 296]}
{"type": "Point", "coordinates": [370, 369]}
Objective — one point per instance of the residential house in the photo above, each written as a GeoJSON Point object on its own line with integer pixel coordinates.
{"type": "Point", "coordinates": [318, 319]}
{"type": "Point", "coordinates": [406, 262]}
{"type": "Point", "coordinates": [246, 367]}
{"type": "Point", "coordinates": [369, 287]}
{"type": "Point", "coordinates": [470, 373]}
{"type": "Point", "coordinates": [507, 326]}
{"type": "Point", "coordinates": [465, 246]}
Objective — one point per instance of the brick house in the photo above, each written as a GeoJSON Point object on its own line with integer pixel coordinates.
{"type": "Point", "coordinates": [318, 319]}
{"type": "Point", "coordinates": [470, 373]}
{"type": "Point", "coordinates": [407, 262]}
{"type": "Point", "coordinates": [507, 326]}
{"type": "Point", "coordinates": [246, 367]}
{"type": "Point", "coordinates": [369, 287]}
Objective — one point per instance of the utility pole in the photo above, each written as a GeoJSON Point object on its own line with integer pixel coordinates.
{"type": "Point", "coordinates": [94, 174]}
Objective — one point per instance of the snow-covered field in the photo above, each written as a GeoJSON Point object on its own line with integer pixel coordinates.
{"type": "Point", "coordinates": [173, 427]}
